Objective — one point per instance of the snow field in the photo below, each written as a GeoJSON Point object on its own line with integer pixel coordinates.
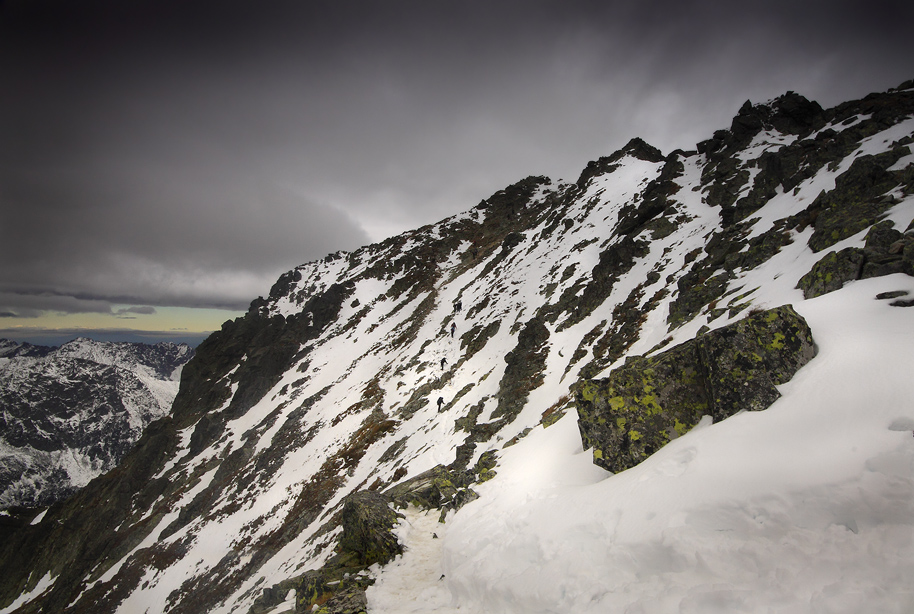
{"type": "Point", "coordinates": [807, 506]}
{"type": "Point", "coordinates": [413, 582]}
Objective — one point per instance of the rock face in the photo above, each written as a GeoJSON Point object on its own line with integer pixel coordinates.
{"type": "Point", "coordinates": [368, 522]}
{"type": "Point", "coordinates": [885, 251]}
{"type": "Point", "coordinates": [367, 538]}
{"type": "Point", "coordinates": [651, 399]}
{"type": "Point", "coordinates": [68, 414]}
{"type": "Point", "coordinates": [330, 385]}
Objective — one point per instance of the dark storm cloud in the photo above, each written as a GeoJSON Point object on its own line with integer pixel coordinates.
{"type": "Point", "coordinates": [187, 152]}
{"type": "Point", "coordinates": [24, 303]}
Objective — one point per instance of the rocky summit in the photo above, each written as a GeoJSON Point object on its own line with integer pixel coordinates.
{"type": "Point", "coordinates": [656, 292]}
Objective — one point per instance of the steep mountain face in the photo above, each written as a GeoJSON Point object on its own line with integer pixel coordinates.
{"type": "Point", "coordinates": [70, 413]}
{"type": "Point", "coordinates": [406, 368]}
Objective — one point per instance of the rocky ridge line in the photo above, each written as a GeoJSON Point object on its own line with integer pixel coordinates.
{"type": "Point", "coordinates": [330, 386]}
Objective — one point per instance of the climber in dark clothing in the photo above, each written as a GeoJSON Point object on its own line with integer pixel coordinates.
{"type": "Point", "coordinates": [457, 306]}
{"type": "Point", "coordinates": [440, 402]}
{"type": "Point", "coordinates": [443, 362]}
{"type": "Point", "coordinates": [453, 328]}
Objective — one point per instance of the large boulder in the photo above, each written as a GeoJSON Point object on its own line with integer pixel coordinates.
{"type": "Point", "coordinates": [437, 488]}
{"type": "Point", "coordinates": [653, 399]}
{"type": "Point", "coordinates": [368, 523]}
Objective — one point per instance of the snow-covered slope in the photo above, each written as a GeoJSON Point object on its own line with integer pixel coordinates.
{"type": "Point", "coordinates": [68, 414]}
{"type": "Point", "coordinates": [807, 506]}
{"type": "Point", "coordinates": [456, 344]}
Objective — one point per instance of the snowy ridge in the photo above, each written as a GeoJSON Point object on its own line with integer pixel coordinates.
{"type": "Point", "coordinates": [459, 340]}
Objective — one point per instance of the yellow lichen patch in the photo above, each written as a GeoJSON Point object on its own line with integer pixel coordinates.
{"type": "Point", "coordinates": [597, 454]}
{"type": "Point", "coordinates": [778, 343]}
{"type": "Point", "coordinates": [649, 401]}
{"type": "Point", "coordinates": [679, 427]}
{"type": "Point", "coordinates": [589, 391]}
{"type": "Point", "coordinates": [620, 422]}
{"type": "Point", "coordinates": [616, 403]}
{"type": "Point", "coordinates": [634, 435]}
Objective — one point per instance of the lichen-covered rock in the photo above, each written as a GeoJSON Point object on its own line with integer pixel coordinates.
{"type": "Point", "coordinates": [856, 202]}
{"type": "Point", "coordinates": [351, 600]}
{"type": "Point", "coordinates": [329, 590]}
{"type": "Point", "coordinates": [746, 360]}
{"type": "Point", "coordinates": [831, 272]}
{"type": "Point", "coordinates": [438, 488]}
{"type": "Point", "coordinates": [885, 251]}
{"type": "Point", "coordinates": [338, 587]}
{"type": "Point", "coordinates": [368, 523]}
{"type": "Point", "coordinates": [650, 400]}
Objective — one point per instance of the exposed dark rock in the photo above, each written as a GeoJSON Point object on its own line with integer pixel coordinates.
{"type": "Point", "coordinates": [794, 114]}
{"type": "Point", "coordinates": [515, 196]}
{"type": "Point", "coordinates": [580, 299]}
{"type": "Point", "coordinates": [855, 203]}
{"type": "Point", "coordinates": [525, 370]}
{"type": "Point", "coordinates": [725, 176]}
{"type": "Point", "coordinates": [336, 588]}
{"type": "Point", "coordinates": [438, 488]}
{"type": "Point", "coordinates": [625, 326]}
{"type": "Point", "coordinates": [655, 201]}
{"type": "Point", "coordinates": [284, 284]}
{"type": "Point", "coordinates": [476, 338]}
{"type": "Point", "coordinates": [695, 294]}
{"type": "Point", "coordinates": [650, 400]}
{"type": "Point", "coordinates": [885, 251]}
{"type": "Point", "coordinates": [831, 272]}
{"type": "Point", "coordinates": [882, 296]}
{"type": "Point", "coordinates": [511, 241]}
{"type": "Point", "coordinates": [347, 599]}
{"type": "Point", "coordinates": [367, 519]}
{"type": "Point", "coordinates": [635, 147]}
{"type": "Point", "coordinates": [485, 466]}
{"type": "Point", "coordinates": [368, 523]}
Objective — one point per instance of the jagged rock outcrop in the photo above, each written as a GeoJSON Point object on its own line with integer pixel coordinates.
{"type": "Point", "coordinates": [885, 251]}
{"type": "Point", "coordinates": [331, 384]}
{"type": "Point", "coordinates": [651, 399]}
{"type": "Point", "coordinates": [367, 522]}
{"type": "Point", "coordinates": [367, 538]}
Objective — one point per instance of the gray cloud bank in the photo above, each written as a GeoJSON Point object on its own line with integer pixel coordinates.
{"type": "Point", "coordinates": [185, 153]}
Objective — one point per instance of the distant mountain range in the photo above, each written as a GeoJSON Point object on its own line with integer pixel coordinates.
{"type": "Point", "coordinates": [680, 382]}
{"type": "Point", "coordinates": [70, 413]}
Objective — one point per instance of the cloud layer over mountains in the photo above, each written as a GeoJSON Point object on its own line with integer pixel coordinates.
{"type": "Point", "coordinates": [186, 153]}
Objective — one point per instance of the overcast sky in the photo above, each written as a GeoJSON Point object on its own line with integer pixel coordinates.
{"type": "Point", "coordinates": [184, 153]}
